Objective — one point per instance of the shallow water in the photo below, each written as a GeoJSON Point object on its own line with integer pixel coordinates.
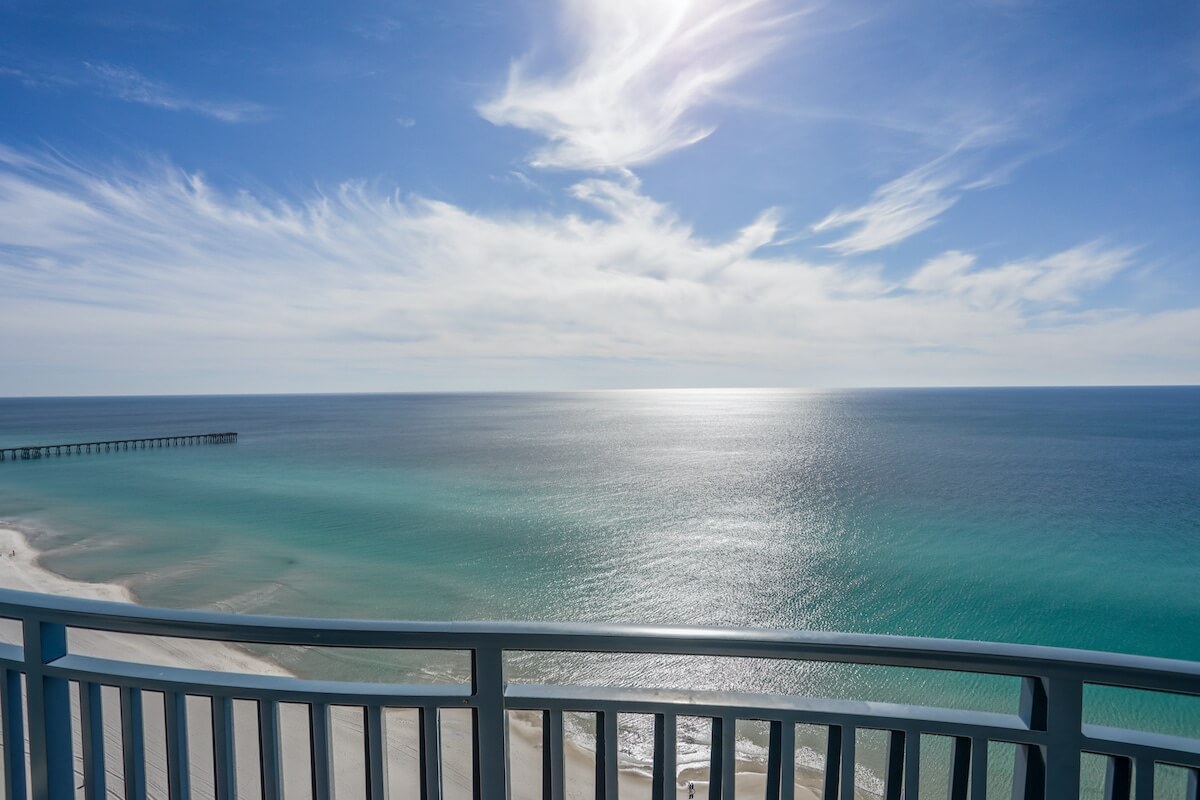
{"type": "Point", "coordinates": [1051, 516]}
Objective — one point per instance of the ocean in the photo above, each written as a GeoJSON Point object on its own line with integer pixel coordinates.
{"type": "Point", "coordinates": [1056, 516]}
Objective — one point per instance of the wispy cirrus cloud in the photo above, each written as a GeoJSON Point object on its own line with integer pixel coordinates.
{"type": "Point", "coordinates": [897, 210]}
{"type": "Point", "coordinates": [35, 80]}
{"type": "Point", "coordinates": [362, 288]}
{"type": "Point", "coordinates": [643, 69]}
{"type": "Point", "coordinates": [912, 203]}
{"type": "Point", "coordinates": [131, 86]}
{"type": "Point", "coordinates": [126, 83]}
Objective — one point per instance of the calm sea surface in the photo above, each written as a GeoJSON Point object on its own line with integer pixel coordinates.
{"type": "Point", "coordinates": [1050, 516]}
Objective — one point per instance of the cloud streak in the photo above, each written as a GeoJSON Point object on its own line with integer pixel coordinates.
{"type": "Point", "coordinates": [125, 83]}
{"type": "Point", "coordinates": [1059, 279]}
{"type": "Point", "coordinates": [643, 69]}
{"type": "Point", "coordinates": [363, 289]}
{"type": "Point", "coordinates": [896, 211]}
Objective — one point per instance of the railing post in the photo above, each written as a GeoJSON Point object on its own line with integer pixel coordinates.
{"type": "Point", "coordinates": [1118, 778]}
{"type": "Point", "coordinates": [787, 762]}
{"type": "Point", "coordinates": [716, 764]}
{"type": "Point", "coordinates": [960, 767]}
{"type": "Point", "coordinates": [848, 762]}
{"type": "Point", "coordinates": [133, 743]}
{"type": "Point", "coordinates": [893, 780]}
{"type": "Point", "coordinates": [320, 752]}
{"type": "Point", "coordinates": [833, 755]}
{"type": "Point", "coordinates": [431, 754]}
{"type": "Point", "coordinates": [912, 764]}
{"type": "Point", "coordinates": [774, 759]}
{"type": "Point", "coordinates": [606, 755]}
{"type": "Point", "coordinates": [224, 751]}
{"type": "Point", "coordinates": [1064, 734]}
{"type": "Point", "coordinates": [979, 768]}
{"type": "Point", "coordinates": [375, 751]}
{"type": "Point", "coordinates": [664, 757]}
{"type": "Point", "coordinates": [269, 751]}
{"type": "Point", "coordinates": [491, 727]}
{"type": "Point", "coordinates": [1053, 705]}
{"type": "Point", "coordinates": [178, 770]}
{"type": "Point", "coordinates": [12, 718]}
{"type": "Point", "coordinates": [1029, 769]}
{"type": "Point", "coordinates": [51, 766]}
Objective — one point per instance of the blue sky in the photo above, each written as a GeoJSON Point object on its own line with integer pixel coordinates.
{"type": "Point", "coordinates": [371, 196]}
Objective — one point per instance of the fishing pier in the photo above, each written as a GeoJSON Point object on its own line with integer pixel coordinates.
{"type": "Point", "coordinates": [34, 451]}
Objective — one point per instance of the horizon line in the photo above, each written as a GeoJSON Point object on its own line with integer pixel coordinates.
{"type": "Point", "coordinates": [614, 390]}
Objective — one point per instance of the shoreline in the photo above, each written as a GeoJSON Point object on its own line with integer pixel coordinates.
{"type": "Point", "coordinates": [21, 568]}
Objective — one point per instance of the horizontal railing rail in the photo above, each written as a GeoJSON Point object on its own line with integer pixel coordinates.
{"type": "Point", "coordinates": [39, 677]}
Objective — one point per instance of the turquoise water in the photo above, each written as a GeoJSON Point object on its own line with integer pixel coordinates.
{"type": "Point", "coordinates": [1051, 516]}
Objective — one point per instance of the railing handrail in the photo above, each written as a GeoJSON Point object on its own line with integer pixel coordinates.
{"type": "Point", "coordinates": [1096, 667]}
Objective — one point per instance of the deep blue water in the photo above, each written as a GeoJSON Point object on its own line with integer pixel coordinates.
{"type": "Point", "coordinates": [1050, 516]}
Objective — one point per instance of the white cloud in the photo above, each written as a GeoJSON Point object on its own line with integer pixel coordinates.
{"type": "Point", "coordinates": [897, 210]}
{"type": "Point", "coordinates": [132, 86]}
{"type": "Point", "coordinates": [157, 275]}
{"type": "Point", "coordinates": [644, 67]}
{"type": "Point", "coordinates": [913, 202]}
{"type": "Point", "coordinates": [1056, 280]}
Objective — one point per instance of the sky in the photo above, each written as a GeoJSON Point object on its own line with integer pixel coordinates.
{"type": "Point", "coordinates": [477, 195]}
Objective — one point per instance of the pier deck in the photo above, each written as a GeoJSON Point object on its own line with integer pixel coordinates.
{"type": "Point", "coordinates": [33, 451]}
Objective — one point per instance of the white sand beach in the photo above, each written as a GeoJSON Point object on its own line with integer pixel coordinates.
{"type": "Point", "coordinates": [20, 569]}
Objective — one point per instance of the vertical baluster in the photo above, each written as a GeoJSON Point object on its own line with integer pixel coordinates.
{"type": "Point", "coordinates": [833, 755]}
{"type": "Point", "coordinates": [319, 751]}
{"type": "Point", "coordinates": [960, 767]}
{"type": "Point", "coordinates": [1193, 785]}
{"type": "Point", "coordinates": [1143, 779]}
{"type": "Point", "coordinates": [133, 745]}
{"type": "Point", "coordinates": [1118, 778]}
{"type": "Point", "coordinates": [715, 762]}
{"type": "Point", "coordinates": [12, 717]}
{"type": "Point", "coordinates": [847, 763]}
{"type": "Point", "coordinates": [912, 765]}
{"type": "Point", "coordinates": [554, 784]}
{"type": "Point", "coordinates": [179, 783]}
{"type": "Point", "coordinates": [774, 759]}
{"type": "Point", "coordinates": [52, 772]}
{"type": "Point", "coordinates": [375, 757]}
{"type": "Point", "coordinates": [431, 753]}
{"type": "Point", "coordinates": [729, 758]}
{"type": "Point", "coordinates": [1029, 769]}
{"type": "Point", "coordinates": [270, 756]}
{"type": "Point", "coordinates": [979, 769]}
{"type": "Point", "coordinates": [91, 734]}
{"type": "Point", "coordinates": [606, 755]}
{"type": "Point", "coordinates": [489, 752]}
{"type": "Point", "coordinates": [664, 757]}
{"type": "Point", "coordinates": [893, 775]}
{"type": "Point", "coordinates": [224, 760]}
{"type": "Point", "coordinates": [787, 766]}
